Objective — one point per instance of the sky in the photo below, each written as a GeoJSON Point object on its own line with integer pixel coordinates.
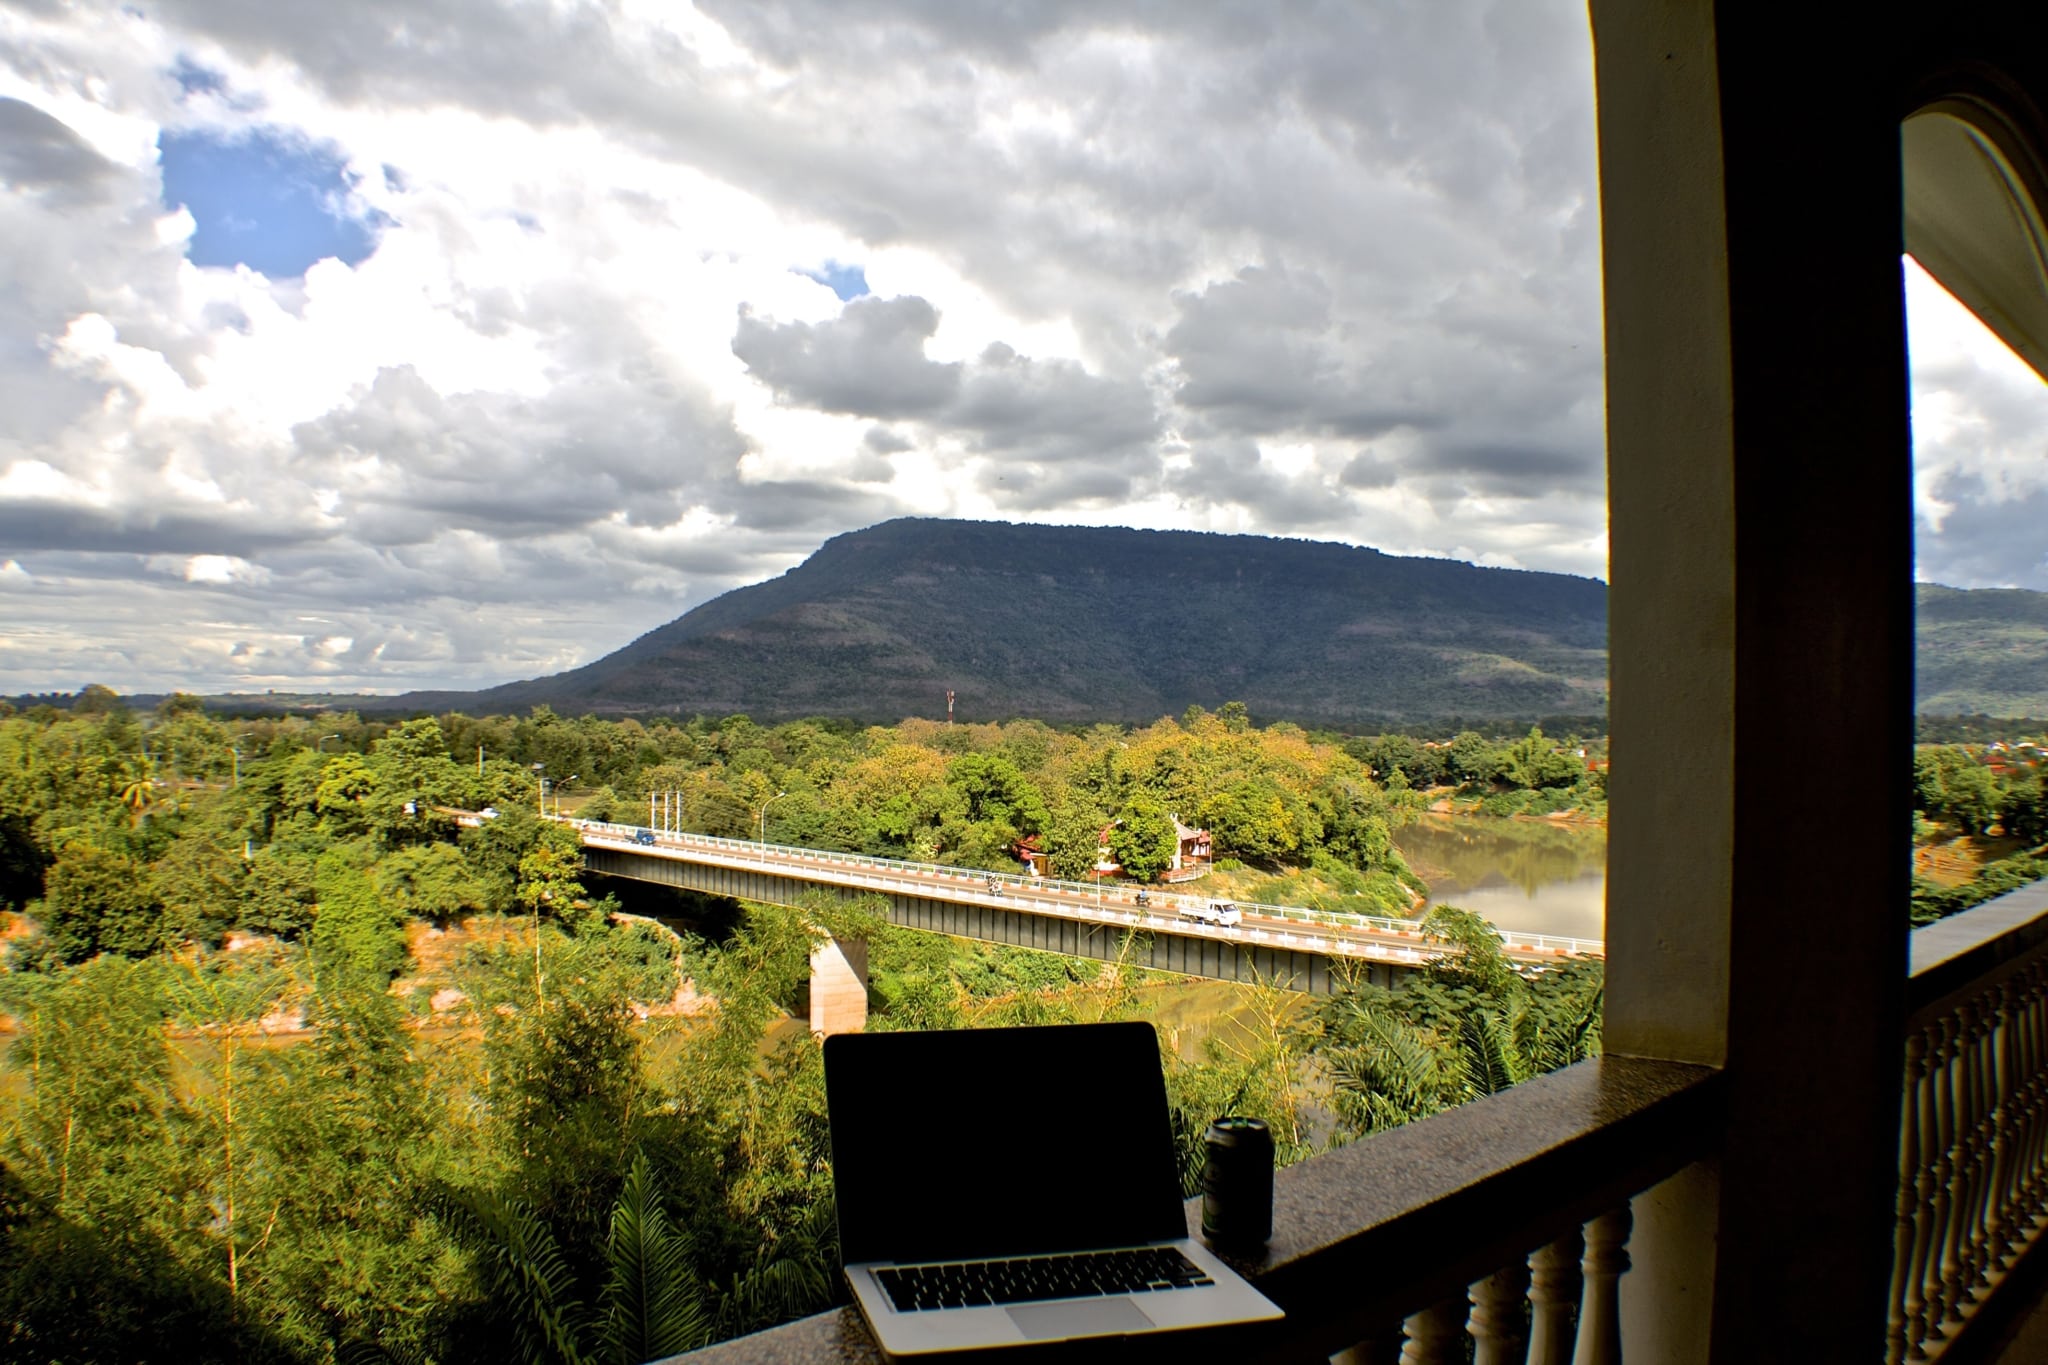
{"type": "Point", "coordinates": [411, 343]}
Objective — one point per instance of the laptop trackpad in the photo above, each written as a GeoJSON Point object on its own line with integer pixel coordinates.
{"type": "Point", "coordinates": [1082, 1318]}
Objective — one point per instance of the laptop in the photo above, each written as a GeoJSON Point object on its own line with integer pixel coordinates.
{"type": "Point", "coordinates": [1000, 1187]}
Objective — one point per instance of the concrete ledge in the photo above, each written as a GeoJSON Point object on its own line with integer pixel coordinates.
{"type": "Point", "coordinates": [1960, 953]}
{"type": "Point", "coordinates": [1370, 1232]}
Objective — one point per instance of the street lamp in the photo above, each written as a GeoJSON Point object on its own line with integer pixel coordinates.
{"type": "Point", "coordinates": [568, 781]}
{"type": "Point", "coordinates": [236, 780]}
{"type": "Point", "coordinates": [764, 821]}
{"type": "Point", "coordinates": [321, 747]}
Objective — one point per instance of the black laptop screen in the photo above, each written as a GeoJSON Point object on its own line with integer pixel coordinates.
{"type": "Point", "coordinates": [991, 1142]}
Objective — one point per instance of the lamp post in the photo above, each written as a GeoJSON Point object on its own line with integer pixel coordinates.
{"type": "Point", "coordinates": [538, 772]}
{"type": "Point", "coordinates": [236, 780]}
{"type": "Point", "coordinates": [321, 747]}
{"type": "Point", "coordinates": [764, 822]}
{"type": "Point", "coordinates": [569, 781]}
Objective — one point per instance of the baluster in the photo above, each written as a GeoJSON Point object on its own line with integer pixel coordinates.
{"type": "Point", "coordinates": [1436, 1335]}
{"type": "Point", "coordinates": [1554, 1300]}
{"type": "Point", "coordinates": [1923, 1307]}
{"type": "Point", "coordinates": [1974, 1148]}
{"type": "Point", "coordinates": [1600, 1308]}
{"type": "Point", "coordinates": [1990, 1100]}
{"type": "Point", "coordinates": [1998, 1187]}
{"type": "Point", "coordinates": [1496, 1321]}
{"type": "Point", "coordinates": [1941, 1255]}
{"type": "Point", "coordinates": [1898, 1327]}
{"type": "Point", "coordinates": [2032, 1083]}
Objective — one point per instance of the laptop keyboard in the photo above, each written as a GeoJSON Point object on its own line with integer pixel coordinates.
{"type": "Point", "coordinates": [972, 1284]}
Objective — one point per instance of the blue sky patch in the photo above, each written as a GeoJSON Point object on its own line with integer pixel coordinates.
{"type": "Point", "coordinates": [194, 79]}
{"type": "Point", "coordinates": [847, 281]}
{"type": "Point", "coordinates": [264, 200]}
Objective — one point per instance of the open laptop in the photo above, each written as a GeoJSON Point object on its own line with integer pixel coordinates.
{"type": "Point", "coordinates": [998, 1187]}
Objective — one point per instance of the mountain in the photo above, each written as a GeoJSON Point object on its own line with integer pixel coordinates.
{"type": "Point", "coordinates": [1074, 624]}
{"type": "Point", "coordinates": [1981, 651]}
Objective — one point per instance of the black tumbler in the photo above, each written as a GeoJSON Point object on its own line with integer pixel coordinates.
{"type": "Point", "coordinates": [1237, 1184]}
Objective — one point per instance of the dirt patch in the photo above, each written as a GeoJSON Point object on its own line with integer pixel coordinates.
{"type": "Point", "coordinates": [1953, 862]}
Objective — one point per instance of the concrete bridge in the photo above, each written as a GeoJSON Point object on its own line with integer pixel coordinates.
{"type": "Point", "coordinates": [1286, 946]}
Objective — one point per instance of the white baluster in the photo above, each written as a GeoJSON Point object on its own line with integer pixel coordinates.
{"type": "Point", "coordinates": [1600, 1307]}
{"type": "Point", "coordinates": [1496, 1321]}
{"type": "Point", "coordinates": [1436, 1335]}
{"type": "Point", "coordinates": [1553, 1300]}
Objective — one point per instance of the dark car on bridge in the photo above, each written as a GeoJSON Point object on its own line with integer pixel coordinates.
{"type": "Point", "coordinates": [643, 836]}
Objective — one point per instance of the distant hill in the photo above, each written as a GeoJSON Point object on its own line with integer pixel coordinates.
{"type": "Point", "coordinates": [1072, 624]}
{"type": "Point", "coordinates": [1982, 651]}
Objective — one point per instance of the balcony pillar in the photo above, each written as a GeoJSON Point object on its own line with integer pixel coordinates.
{"type": "Point", "coordinates": [1760, 619]}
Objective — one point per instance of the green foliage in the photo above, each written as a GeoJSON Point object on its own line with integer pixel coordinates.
{"type": "Point", "coordinates": [1932, 902]}
{"type": "Point", "coordinates": [582, 1182]}
{"type": "Point", "coordinates": [1072, 839]}
{"type": "Point", "coordinates": [1143, 842]}
{"type": "Point", "coordinates": [428, 881]}
{"type": "Point", "coordinates": [99, 901]}
{"type": "Point", "coordinates": [355, 932]}
{"type": "Point", "coordinates": [1472, 1025]}
{"type": "Point", "coordinates": [653, 1303]}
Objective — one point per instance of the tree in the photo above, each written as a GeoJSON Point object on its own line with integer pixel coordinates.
{"type": "Point", "coordinates": [98, 901]}
{"type": "Point", "coordinates": [356, 934]}
{"type": "Point", "coordinates": [550, 874]}
{"type": "Point", "coordinates": [1144, 841]}
{"type": "Point", "coordinates": [2023, 810]}
{"type": "Point", "coordinates": [1472, 759]}
{"type": "Point", "coordinates": [1256, 818]}
{"type": "Point", "coordinates": [1971, 796]}
{"type": "Point", "coordinates": [199, 881]}
{"type": "Point", "coordinates": [1072, 840]}
{"type": "Point", "coordinates": [1533, 761]}
{"type": "Point", "coordinates": [428, 881]}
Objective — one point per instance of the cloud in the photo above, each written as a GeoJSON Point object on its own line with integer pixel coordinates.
{"type": "Point", "coordinates": [38, 154]}
{"type": "Point", "coordinates": [658, 298]}
{"type": "Point", "coordinates": [869, 361]}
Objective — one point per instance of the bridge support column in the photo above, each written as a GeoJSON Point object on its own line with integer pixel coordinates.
{"type": "Point", "coordinates": [839, 987]}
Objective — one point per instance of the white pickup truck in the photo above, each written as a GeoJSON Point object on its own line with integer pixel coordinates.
{"type": "Point", "coordinates": [1212, 912]}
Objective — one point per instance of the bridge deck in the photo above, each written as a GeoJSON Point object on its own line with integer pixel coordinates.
{"type": "Point", "coordinates": [1286, 945]}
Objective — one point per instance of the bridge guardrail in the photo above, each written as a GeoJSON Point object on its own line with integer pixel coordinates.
{"type": "Point", "coordinates": [1121, 894]}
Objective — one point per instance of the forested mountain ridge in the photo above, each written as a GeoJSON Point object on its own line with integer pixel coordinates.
{"type": "Point", "coordinates": [1981, 650]}
{"type": "Point", "coordinates": [1077, 624]}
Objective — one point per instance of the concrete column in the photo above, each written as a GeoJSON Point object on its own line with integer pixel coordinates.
{"type": "Point", "coordinates": [839, 987]}
{"type": "Point", "coordinates": [1760, 624]}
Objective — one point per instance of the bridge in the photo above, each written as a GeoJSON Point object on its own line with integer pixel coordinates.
{"type": "Point", "coordinates": [1287, 946]}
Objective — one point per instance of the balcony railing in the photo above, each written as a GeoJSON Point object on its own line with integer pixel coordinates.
{"type": "Point", "coordinates": [1425, 1243]}
{"type": "Point", "coordinates": [1973, 1148]}
{"type": "Point", "coordinates": [1473, 1208]}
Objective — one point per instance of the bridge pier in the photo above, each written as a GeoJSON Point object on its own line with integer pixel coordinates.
{"type": "Point", "coordinates": [839, 987]}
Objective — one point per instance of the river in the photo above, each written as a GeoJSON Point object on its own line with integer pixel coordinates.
{"type": "Point", "coordinates": [1538, 876]}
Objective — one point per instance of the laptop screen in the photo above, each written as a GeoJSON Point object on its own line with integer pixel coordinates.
{"type": "Point", "coordinates": [975, 1143]}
